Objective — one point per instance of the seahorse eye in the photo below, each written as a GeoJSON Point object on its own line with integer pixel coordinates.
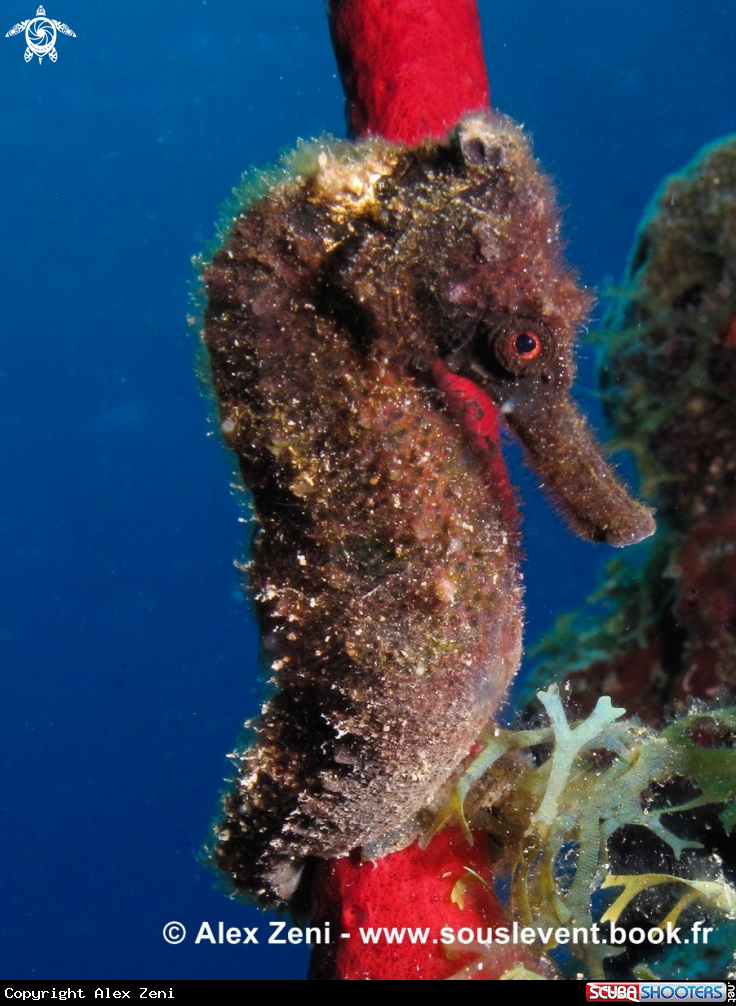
{"type": "Point", "coordinates": [525, 345]}
{"type": "Point", "coordinates": [507, 347]}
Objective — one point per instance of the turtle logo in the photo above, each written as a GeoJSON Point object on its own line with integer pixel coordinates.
{"type": "Point", "coordinates": [40, 35]}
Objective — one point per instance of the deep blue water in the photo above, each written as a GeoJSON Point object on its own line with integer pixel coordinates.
{"type": "Point", "coordinates": [126, 648]}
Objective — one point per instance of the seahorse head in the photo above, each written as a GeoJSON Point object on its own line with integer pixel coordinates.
{"type": "Point", "coordinates": [455, 252]}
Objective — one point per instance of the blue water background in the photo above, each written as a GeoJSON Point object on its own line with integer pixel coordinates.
{"type": "Point", "coordinates": [127, 652]}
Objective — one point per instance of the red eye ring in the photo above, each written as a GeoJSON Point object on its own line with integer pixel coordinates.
{"type": "Point", "coordinates": [524, 345]}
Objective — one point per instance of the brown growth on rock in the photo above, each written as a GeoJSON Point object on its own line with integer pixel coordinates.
{"type": "Point", "coordinates": [669, 383]}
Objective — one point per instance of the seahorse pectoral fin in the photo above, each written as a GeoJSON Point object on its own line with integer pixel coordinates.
{"type": "Point", "coordinates": [564, 452]}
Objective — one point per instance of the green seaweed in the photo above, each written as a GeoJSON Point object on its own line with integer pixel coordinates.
{"type": "Point", "coordinates": [598, 779]}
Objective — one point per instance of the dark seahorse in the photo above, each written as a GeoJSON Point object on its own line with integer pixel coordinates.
{"type": "Point", "coordinates": [384, 570]}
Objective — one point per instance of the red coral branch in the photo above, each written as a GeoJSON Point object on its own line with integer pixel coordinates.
{"type": "Point", "coordinates": [405, 902]}
{"type": "Point", "coordinates": [411, 69]}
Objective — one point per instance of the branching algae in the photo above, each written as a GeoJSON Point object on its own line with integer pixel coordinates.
{"type": "Point", "coordinates": [613, 795]}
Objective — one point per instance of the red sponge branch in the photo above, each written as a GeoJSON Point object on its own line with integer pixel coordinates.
{"type": "Point", "coordinates": [411, 69]}
{"type": "Point", "coordinates": [400, 918]}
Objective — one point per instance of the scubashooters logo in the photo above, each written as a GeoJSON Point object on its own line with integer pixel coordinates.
{"type": "Point", "coordinates": [658, 991]}
{"type": "Point", "coordinates": [41, 34]}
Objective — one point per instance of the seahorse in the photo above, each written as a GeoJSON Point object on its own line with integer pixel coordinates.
{"type": "Point", "coordinates": [350, 300]}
